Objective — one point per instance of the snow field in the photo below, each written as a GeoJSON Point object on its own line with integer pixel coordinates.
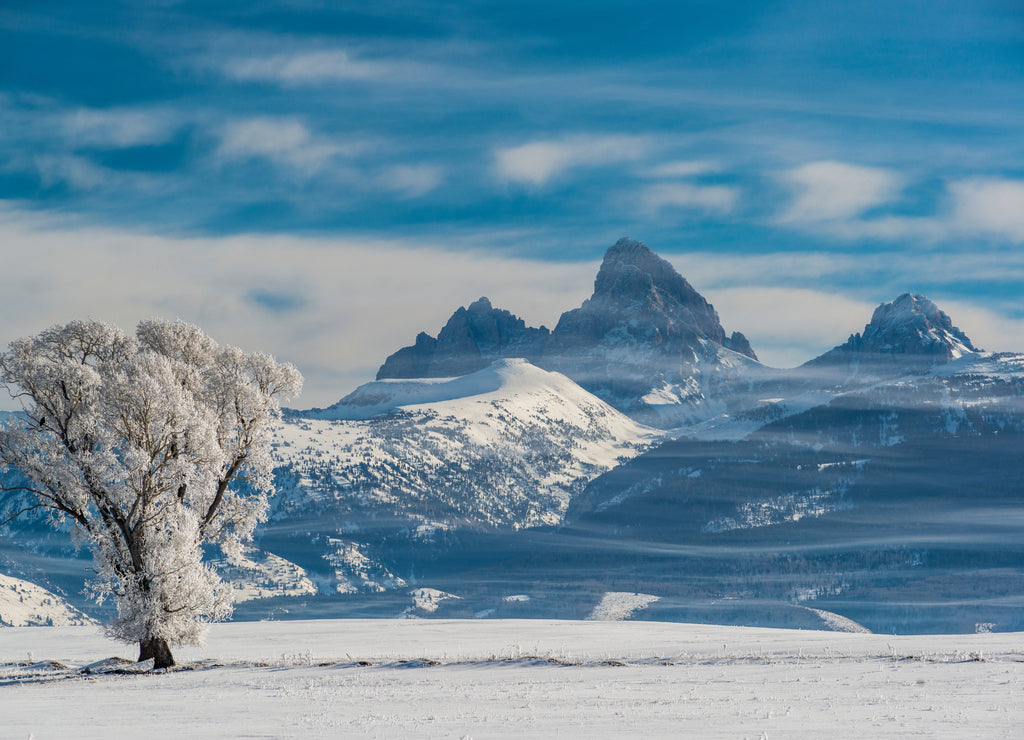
{"type": "Point", "coordinates": [518, 678]}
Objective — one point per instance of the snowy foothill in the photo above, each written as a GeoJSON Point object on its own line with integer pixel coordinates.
{"type": "Point", "coordinates": [514, 679]}
{"type": "Point", "coordinates": [24, 604]}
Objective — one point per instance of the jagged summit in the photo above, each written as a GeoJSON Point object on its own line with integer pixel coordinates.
{"type": "Point", "coordinates": [474, 337]}
{"type": "Point", "coordinates": [645, 329]}
{"type": "Point", "coordinates": [640, 294]}
{"type": "Point", "coordinates": [909, 331]}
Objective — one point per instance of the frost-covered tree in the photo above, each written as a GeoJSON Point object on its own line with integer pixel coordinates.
{"type": "Point", "coordinates": [151, 446]}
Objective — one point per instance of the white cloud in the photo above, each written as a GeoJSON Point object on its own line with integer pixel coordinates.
{"type": "Point", "coordinates": [836, 191]}
{"type": "Point", "coordinates": [717, 198]}
{"type": "Point", "coordinates": [75, 171]}
{"type": "Point", "coordinates": [411, 181]}
{"type": "Point", "coordinates": [350, 302]}
{"type": "Point", "coordinates": [989, 206]}
{"type": "Point", "coordinates": [284, 141]}
{"type": "Point", "coordinates": [538, 162]}
{"type": "Point", "coordinates": [118, 128]}
{"type": "Point", "coordinates": [788, 326]}
{"type": "Point", "coordinates": [330, 65]}
{"type": "Point", "coordinates": [831, 198]}
{"type": "Point", "coordinates": [682, 169]}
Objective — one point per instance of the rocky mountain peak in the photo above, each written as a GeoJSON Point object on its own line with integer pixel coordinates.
{"type": "Point", "coordinates": [912, 324]}
{"type": "Point", "coordinates": [635, 283]}
{"type": "Point", "coordinates": [910, 331]}
{"type": "Point", "coordinates": [644, 328]}
{"type": "Point", "coordinates": [473, 338]}
{"type": "Point", "coordinates": [640, 296]}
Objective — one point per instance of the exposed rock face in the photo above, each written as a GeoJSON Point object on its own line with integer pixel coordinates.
{"type": "Point", "coordinates": [472, 339]}
{"type": "Point", "coordinates": [639, 296]}
{"type": "Point", "coordinates": [911, 333]}
{"type": "Point", "coordinates": [739, 343]}
{"type": "Point", "coordinates": [644, 326]}
{"type": "Point", "coordinates": [645, 329]}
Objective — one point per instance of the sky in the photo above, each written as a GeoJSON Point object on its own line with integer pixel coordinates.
{"type": "Point", "coordinates": [324, 180]}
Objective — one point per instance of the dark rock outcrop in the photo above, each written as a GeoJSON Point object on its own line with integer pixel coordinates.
{"type": "Point", "coordinates": [739, 343]}
{"type": "Point", "coordinates": [644, 326]}
{"type": "Point", "coordinates": [473, 338]}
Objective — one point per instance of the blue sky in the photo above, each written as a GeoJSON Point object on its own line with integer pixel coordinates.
{"type": "Point", "coordinates": [324, 180]}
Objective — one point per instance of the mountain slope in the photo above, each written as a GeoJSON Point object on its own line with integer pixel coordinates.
{"type": "Point", "coordinates": [878, 505]}
{"type": "Point", "coordinates": [505, 446]}
{"type": "Point", "coordinates": [24, 604]}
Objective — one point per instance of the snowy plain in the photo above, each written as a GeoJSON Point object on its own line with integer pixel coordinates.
{"type": "Point", "coordinates": [515, 679]}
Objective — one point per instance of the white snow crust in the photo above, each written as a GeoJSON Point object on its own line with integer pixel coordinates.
{"type": "Point", "coordinates": [618, 605]}
{"type": "Point", "coordinates": [515, 679]}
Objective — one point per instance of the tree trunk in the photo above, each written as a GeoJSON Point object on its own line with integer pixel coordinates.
{"type": "Point", "coordinates": [157, 649]}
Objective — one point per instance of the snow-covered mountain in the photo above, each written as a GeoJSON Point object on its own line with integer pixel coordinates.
{"type": "Point", "coordinates": [515, 476]}
{"type": "Point", "coordinates": [910, 333]}
{"type": "Point", "coordinates": [24, 604]}
{"type": "Point", "coordinates": [505, 446]}
{"type": "Point", "coordinates": [406, 463]}
{"type": "Point", "coordinates": [645, 342]}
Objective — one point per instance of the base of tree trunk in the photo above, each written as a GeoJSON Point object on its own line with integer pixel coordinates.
{"type": "Point", "coordinates": [157, 649]}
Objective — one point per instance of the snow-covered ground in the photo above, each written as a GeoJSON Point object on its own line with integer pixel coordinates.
{"type": "Point", "coordinates": [516, 679]}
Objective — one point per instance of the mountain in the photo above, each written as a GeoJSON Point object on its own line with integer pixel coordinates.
{"type": "Point", "coordinates": [506, 446]}
{"type": "Point", "coordinates": [645, 342]}
{"type": "Point", "coordinates": [516, 476]}
{"type": "Point", "coordinates": [639, 298]}
{"type": "Point", "coordinates": [403, 465]}
{"type": "Point", "coordinates": [908, 334]}
{"type": "Point", "coordinates": [897, 504]}
{"type": "Point", "coordinates": [473, 338]}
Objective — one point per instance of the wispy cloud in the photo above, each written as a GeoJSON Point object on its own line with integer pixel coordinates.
{"type": "Point", "coordinates": [411, 181]}
{"type": "Point", "coordinates": [284, 141]}
{"type": "Point", "coordinates": [836, 191]}
{"type": "Point", "coordinates": [715, 198]}
{"type": "Point", "coordinates": [307, 67]}
{"type": "Point", "coordinates": [538, 162]}
{"type": "Point", "coordinates": [677, 190]}
{"type": "Point", "coordinates": [74, 171]}
{"type": "Point", "coordinates": [989, 206]}
{"type": "Point", "coordinates": [117, 128]}
{"type": "Point", "coordinates": [835, 198]}
{"type": "Point", "coordinates": [682, 169]}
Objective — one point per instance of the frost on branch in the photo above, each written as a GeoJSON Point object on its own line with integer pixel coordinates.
{"type": "Point", "coordinates": [152, 445]}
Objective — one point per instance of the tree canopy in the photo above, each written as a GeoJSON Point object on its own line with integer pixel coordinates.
{"type": "Point", "coordinates": [152, 445]}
